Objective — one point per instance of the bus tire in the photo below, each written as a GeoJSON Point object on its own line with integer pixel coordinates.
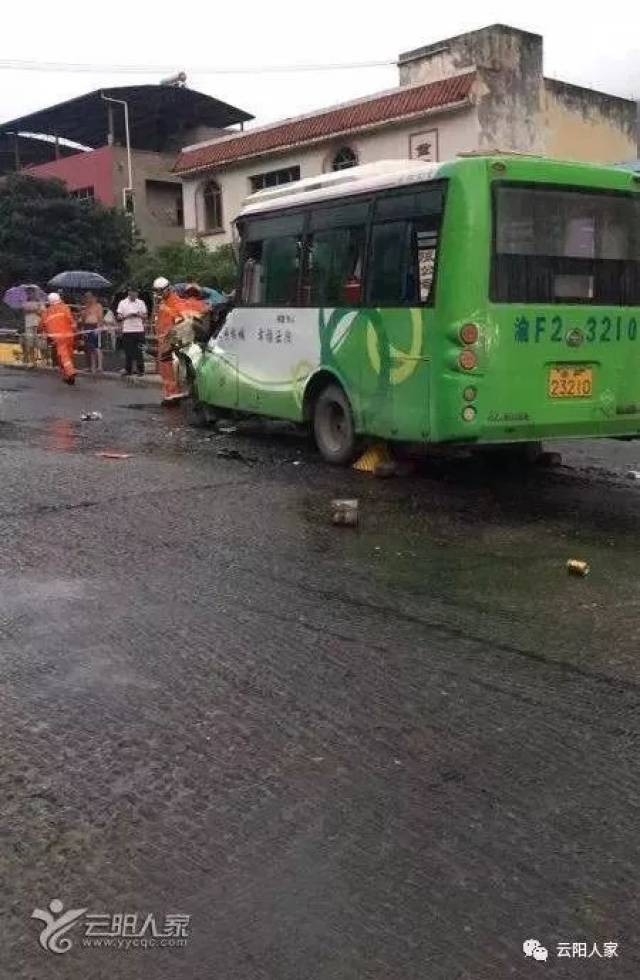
{"type": "Point", "coordinates": [333, 426]}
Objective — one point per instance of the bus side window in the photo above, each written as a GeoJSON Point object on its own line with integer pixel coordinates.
{"type": "Point", "coordinates": [334, 267]}
{"type": "Point", "coordinates": [387, 275]}
{"type": "Point", "coordinates": [404, 242]}
{"type": "Point", "coordinates": [252, 281]}
{"type": "Point", "coordinates": [281, 270]}
{"type": "Point", "coordinates": [272, 252]}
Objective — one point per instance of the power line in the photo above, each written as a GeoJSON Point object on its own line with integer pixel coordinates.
{"type": "Point", "coordinates": [51, 66]}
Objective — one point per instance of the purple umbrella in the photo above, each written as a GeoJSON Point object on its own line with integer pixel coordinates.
{"type": "Point", "coordinates": [17, 295]}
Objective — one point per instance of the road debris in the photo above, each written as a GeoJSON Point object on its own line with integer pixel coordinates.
{"type": "Point", "coordinates": [91, 416]}
{"type": "Point", "coordinates": [374, 456]}
{"type": "Point", "coordinates": [385, 470]}
{"type": "Point", "coordinates": [633, 475]}
{"type": "Point", "coordinates": [549, 459]}
{"type": "Point", "coordinates": [344, 512]}
{"type": "Point", "coordinates": [226, 429]}
{"type": "Point", "coordinates": [235, 454]}
{"type": "Point", "coordinates": [575, 566]}
{"type": "Point", "coordinates": [110, 455]}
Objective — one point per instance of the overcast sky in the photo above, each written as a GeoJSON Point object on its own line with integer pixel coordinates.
{"type": "Point", "coordinates": [598, 48]}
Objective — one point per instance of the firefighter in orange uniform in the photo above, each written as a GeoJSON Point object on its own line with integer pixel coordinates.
{"type": "Point", "coordinates": [58, 324]}
{"type": "Point", "coordinates": [169, 307]}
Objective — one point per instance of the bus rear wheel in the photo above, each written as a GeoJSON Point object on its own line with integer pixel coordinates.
{"type": "Point", "coordinates": [333, 426]}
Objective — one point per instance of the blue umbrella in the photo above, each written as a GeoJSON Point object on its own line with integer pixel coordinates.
{"type": "Point", "coordinates": [79, 279]}
{"type": "Point", "coordinates": [213, 296]}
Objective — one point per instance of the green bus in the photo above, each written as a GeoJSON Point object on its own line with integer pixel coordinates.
{"type": "Point", "coordinates": [487, 300]}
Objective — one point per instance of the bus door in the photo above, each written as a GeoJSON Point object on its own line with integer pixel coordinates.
{"type": "Point", "coordinates": [400, 295]}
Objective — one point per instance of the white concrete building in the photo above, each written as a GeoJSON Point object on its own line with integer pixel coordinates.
{"type": "Point", "coordinates": [482, 90]}
{"type": "Point", "coordinates": [429, 121]}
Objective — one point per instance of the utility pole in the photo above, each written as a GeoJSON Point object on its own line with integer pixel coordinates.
{"type": "Point", "coordinates": [127, 193]}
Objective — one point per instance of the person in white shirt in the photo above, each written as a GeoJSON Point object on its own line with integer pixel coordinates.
{"type": "Point", "coordinates": [132, 314]}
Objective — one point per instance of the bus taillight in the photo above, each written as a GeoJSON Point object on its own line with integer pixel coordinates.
{"type": "Point", "coordinates": [469, 333]}
{"type": "Point", "coordinates": [467, 360]}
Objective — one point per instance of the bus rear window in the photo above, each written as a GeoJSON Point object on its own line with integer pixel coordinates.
{"type": "Point", "coordinates": [557, 245]}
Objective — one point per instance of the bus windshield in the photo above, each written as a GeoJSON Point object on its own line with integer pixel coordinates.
{"type": "Point", "coordinates": [565, 245]}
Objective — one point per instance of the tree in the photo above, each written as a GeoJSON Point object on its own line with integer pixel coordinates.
{"type": "Point", "coordinates": [44, 230]}
{"type": "Point", "coordinates": [185, 263]}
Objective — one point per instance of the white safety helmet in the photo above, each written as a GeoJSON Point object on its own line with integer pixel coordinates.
{"type": "Point", "coordinates": [53, 298]}
{"type": "Point", "coordinates": [160, 283]}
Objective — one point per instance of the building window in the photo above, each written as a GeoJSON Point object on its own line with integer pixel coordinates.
{"type": "Point", "coordinates": [345, 157]}
{"type": "Point", "coordinates": [164, 202]}
{"type": "Point", "coordinates": [273, 178]}
{"type": "Point", "coordinates": [83, 193]}
{"type": "Point", "coordinates": [211, 216]}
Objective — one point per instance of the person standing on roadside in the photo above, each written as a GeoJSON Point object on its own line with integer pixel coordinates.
{"type": "Point", "coordinates": [32, 310]}
{"type": "Point", "coordinates": [91, 317]}
{"type": "Point", "coordinates": [132, 314]}
{"type": "Point", "coordinates": [60, 327]}
{"type": "Point", "coordinates": [169, 307]}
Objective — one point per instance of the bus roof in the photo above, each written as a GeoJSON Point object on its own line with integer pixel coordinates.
{"type": "Point", "coordinates": [339, 183]}
{"type": "Point", "coordinates": [396, 173]}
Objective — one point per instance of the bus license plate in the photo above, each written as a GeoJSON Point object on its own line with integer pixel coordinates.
{"type": "Point", "coordinates": [570, 382]}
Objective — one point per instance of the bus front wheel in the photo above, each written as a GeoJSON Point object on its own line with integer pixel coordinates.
{"type": "Point", "coordinates": [197, 413]}
{"type": "Point", "coordinates": [333, 426]}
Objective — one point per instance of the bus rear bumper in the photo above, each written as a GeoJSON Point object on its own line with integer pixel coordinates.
{"type": "Point", "coordinates": [623, 428]}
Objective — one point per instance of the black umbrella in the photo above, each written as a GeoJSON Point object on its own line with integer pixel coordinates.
{"type": "Point", "coordinates": [78, 279]}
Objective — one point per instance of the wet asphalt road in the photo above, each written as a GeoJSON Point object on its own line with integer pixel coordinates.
{"type": "Point", "coordinates": [390, 753]}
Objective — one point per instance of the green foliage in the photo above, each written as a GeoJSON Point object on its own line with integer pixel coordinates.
{"type": "Point", "coordinates": [185, 263]}
{"type": "Point", "coordinates": [43, 231]}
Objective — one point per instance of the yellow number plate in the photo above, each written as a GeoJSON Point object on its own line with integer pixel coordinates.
{"type": "Point", "coordinates": [570, 382]}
